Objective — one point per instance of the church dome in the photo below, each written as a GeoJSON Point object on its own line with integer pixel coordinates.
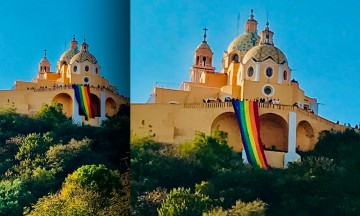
{"type": "Point", "coordinates": [244, 42]}
{"type": "Point", "coordinates": [68, 54]}
{"type": "Point", "coordinates": [83, 56]}
{"type": "Point", "coordinates": [263, 52]}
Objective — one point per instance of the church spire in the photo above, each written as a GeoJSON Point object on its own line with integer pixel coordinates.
{"type": "Point", "coordinates": [202, 60]}
{"type": "Point", "coordinates": [251, 23]}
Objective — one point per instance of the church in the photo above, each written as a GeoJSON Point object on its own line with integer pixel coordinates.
{"type": "Point", "coordinates": [76, 84]}
{"type": "Point", "coordinates": [253, 69]}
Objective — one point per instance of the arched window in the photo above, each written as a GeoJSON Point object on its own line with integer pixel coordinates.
{"type": "Point", "coordinates": [236, 58]}
{"type": "Point", "coordinates": [75, 68]}
{"type": "Point", "coordinates": [285, 75]}
{"type": "Point", "coordinates": [269, 72]}
{"type": "Point", "coordinates": [250, 72]}
{"type": "Point", "coordinates": [204, 61]}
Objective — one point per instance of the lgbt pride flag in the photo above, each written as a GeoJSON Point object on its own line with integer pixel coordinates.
{"type": "Point", "coordinates": [82, 95]}
{"type": "Point", "coordinates": [247, 114]}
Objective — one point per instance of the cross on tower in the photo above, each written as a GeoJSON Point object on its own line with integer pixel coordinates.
{"type": "Point", "coordinates": [205, 29]}
{"type": "Point", "coordinates": [45, 52]}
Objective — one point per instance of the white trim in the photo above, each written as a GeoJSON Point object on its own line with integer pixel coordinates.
{"type": "Point", "coordinates": [280, 74]}
{"type": "Point", "coordinates": [257, 72]}
{"type": "Point", "coordinates": [292, 132]}
{"type": "Point", "coordinates": [291, 155]}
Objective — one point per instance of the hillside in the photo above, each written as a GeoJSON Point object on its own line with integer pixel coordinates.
{"type": "Point", "coordinates": [206, 177]}
{"type": "Point", "coordinates": [50, 166]}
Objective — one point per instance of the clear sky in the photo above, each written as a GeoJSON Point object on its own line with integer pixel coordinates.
{"type": "Point", "coordinates": [321, 40]}
{"type": "Point", "coordinates": [29, 27]}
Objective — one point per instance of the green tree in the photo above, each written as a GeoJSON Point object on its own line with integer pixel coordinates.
{"type": "Point", "coordinates": [211, 152]}
{"type": "Point", "coordinates": [34, 145]}
{"type": "Point", "coordinates": [68, 156]}
{"type": "Point", "coordinates": [149, 202]}
{"type": "Point", "coordinates": [14, 195]}
{"type": "Point", "coordinates": [153, 165]}
{"type": "Point", "coordinates": [255, 208]}
{"type": "Point", "coordinates": [52, 115]}
{"type": "Point", "coordinates": [181, 201]}
{"type": "Point", "coordinates": [90, 190]}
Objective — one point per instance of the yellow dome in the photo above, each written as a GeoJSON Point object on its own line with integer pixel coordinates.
{"type": "Point", "coordinates": [263, 52]}
{"type": "Point", "coordinates": [244, 42]}
{"type": "Point", "coordinates": [68, 54]}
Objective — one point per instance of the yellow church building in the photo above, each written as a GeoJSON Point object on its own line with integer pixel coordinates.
{"type": "Point", "coordinates": [74, 68]}
{"type": "Point", "coordinates": [253, 68]}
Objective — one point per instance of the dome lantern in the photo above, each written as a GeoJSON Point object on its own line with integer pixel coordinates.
{"type": "Point", "coordinates": [267, 36]}
{"type": "Point", "coordinates": [68, 54]}
{"type": "Point", "coordinates": [84, 46]}
{"type": "Point", "coordinates": [251, 23]}
{"type": "Point", "coordinates": [73, 43]}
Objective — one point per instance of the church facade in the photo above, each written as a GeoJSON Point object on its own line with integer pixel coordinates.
{"type": "Point", "coordinates": [253, 69]}
{"type": "Point", "coordinates": [74, 67]}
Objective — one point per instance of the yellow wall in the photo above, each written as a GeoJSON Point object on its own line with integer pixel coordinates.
{"type": "Point", "coordinates": [215, 79]}
{"type": "Point", "coordinates": [178, 123]}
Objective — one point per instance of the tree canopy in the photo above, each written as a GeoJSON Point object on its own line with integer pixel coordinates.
{"type": "Point", "coordinates": [206, 177]}
{"type": "Point", "coordinates": [49, 164]}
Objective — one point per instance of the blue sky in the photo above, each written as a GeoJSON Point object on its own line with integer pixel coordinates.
{"type": "Point", "coordinates": [29, 27]}
{"type": "Point", "coordinates": [321, 41]}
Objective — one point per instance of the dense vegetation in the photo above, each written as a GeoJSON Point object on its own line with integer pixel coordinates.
{"type": "Point", "coordinates": [206, 177]}
{"type": "Point", "coordinates": [50, 166]}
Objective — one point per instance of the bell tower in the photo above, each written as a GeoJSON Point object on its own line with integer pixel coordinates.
{"type": "Point", "coordinates": [202, 60]}
{"type": "Point", "coordinates": [44, 66]}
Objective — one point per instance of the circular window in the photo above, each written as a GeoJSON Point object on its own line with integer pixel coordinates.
{"type": "Point", "coordinates": [269, 72]}
{"type": "Point", "coordinates": [250, 72]}
{"type": "Point", "coordinates": [268, 90]}
{"type": "Point", "coordinates": [75, 68]}
{"type": "Point", "coordinates": [285, 75]}
{"type": "Point", "coordinates": [86, 68]}
{"type": "Point", "coordinates": [86, 80]}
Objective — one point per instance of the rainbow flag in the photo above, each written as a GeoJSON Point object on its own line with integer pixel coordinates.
{"type": "Point", "coordinates": [82, 95]}
{"type": "Point", "coordinates": [247, 114]}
